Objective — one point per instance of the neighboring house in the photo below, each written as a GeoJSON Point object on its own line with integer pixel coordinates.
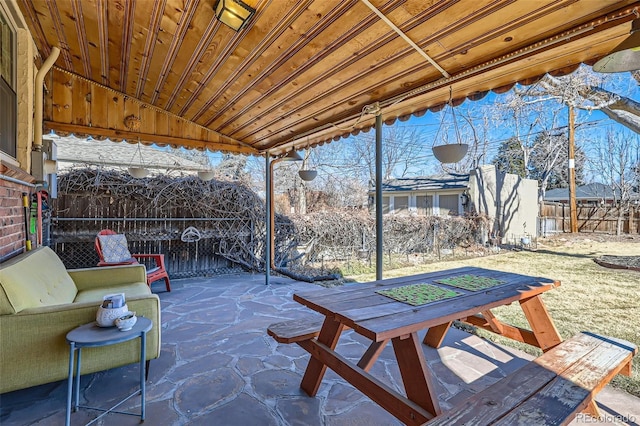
{"type": "Point", "coordinates": [72, 151]}
{"type": "Point", "coordinates": [506, 198]}
{"type": "Point", "coordinates": [67, 152]}
{"type": "Point", "coordinates": [592, 194]}
{"type": "Point", "coordinates": [439, 195]}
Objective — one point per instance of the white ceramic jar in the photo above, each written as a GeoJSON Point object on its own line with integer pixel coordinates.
{"type": "Point", "coordinates": [106, 317]}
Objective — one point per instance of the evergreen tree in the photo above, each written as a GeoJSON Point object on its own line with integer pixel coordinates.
{"type": "Point", "coordinates": [547, 160]}
{"type": "Point", "coordinates": [510, 158]}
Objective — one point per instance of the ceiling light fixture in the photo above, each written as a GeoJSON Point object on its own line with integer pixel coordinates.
{"type": "Point", "coordinates": [291, 156]}
{"type": "Point", "coordinates": [233, 13]}
{"type": "Point", "coordinates": [625, 56]}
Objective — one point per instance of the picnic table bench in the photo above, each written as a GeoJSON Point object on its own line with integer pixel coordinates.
{"type": "Point", "coordinates": [552, 389]}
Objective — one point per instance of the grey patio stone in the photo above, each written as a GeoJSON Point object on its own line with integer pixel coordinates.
{"type": "Point", "coordinates": [275, 383]}
{"type": "Point", "coordinates": [241, 411]}
{"type": "Point", "coordinates": [201, 393]}
{"type": "Point", "coordinates": [302, 411]}
{"type": "Point", "coordinates": [219, 367]}
{"type": "Point", "coordinates": [364, 414]}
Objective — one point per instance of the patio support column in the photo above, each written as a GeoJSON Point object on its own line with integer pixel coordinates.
{"type": "Point", "coordinates": [269, 213]}
{"type": "Point", "coordinates": [378, 195]}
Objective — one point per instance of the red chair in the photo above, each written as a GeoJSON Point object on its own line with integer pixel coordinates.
{"type": "Point", "coordinates": [153, 274]}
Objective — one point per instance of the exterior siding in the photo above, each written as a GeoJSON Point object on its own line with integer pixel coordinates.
{"type": "Point", "coordinates": [12, 238]}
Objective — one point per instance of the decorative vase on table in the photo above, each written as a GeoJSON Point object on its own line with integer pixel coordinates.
{"type": "Point", "coordinates": [106, 317]}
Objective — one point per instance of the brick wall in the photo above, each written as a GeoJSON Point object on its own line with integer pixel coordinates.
{"type": "Point", "coordinates": [12, 235]}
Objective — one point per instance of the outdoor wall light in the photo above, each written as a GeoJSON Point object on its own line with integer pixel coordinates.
{"type": "Point", "coordinates": [233, 13]}
{"type": "Point", "coordinates": [625, 56]}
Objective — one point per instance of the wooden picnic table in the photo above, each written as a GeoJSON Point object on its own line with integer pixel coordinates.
{"type": "Point", "coordinates": [383, 319]}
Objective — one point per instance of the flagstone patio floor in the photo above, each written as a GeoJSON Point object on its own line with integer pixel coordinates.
{"type": "Point", "coordinates": [218, 366]}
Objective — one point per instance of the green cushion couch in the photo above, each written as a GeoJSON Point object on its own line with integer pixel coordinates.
{"type": "Point", "coordinates": [41, 301]}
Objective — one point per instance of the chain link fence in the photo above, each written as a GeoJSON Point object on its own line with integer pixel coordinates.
{"type": "Point", "coordinates": [73, 239]}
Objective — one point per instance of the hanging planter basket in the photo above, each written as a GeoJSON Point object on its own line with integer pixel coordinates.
{"type": "Point", "coordinates": [453, 152]}
{"type": "Point", "coordinates": [450, 153]}
{"type": "Point", "coordinates": [205, 175]}
{"type": "Point", "coordinates": [138, 172]}
{"type": "Point", "coordinates": [307, 175]}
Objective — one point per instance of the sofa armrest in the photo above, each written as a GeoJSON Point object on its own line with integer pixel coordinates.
{"type": "Point", "coordinates": [34, 349]}
{"type": "Point", "coordinates": [108, 276]}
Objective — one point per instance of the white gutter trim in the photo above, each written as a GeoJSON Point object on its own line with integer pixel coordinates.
{"type": "Point", "coordinates": [37, 118]}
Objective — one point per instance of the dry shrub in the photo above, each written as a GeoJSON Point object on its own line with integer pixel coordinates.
{"type": "Point", "coordinates": [343, 234]}
{"type": "Point", "coordinates": [98, 193]}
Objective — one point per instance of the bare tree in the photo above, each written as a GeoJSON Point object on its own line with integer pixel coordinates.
{"type": "Point", "coordinates": [618, 158]}
{"type": "Point", "coordinates": [549, 159]}
{"type": "Point", "coordinates": [232, 167]}
{"type": "Point", "coordinates": [401, 148]}
{"type": "Point", "coordinates": [584, 90]}
{"type": "Point", "coordinates": [347, 168]}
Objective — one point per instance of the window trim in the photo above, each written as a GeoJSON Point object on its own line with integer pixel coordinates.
{"type": "Point", "coordinates": [8, 90]}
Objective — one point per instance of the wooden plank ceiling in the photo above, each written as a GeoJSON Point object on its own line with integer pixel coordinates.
{"type": "Point", "coordinates": [302, 71]}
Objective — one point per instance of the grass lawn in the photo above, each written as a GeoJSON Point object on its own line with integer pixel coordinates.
{"type": "Point", "coordinates": [591, 297]}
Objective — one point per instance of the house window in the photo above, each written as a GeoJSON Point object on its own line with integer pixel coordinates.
{"type": "Point", "coordinates": [448, 204]}
{"type": "Point", "coordinates": [385, 205]}
{"type": "Point", "coordinates": [401, 204]}
{"type": "Point", "coordinates": [424, 205]}
{"type": "Point", "coordinates": [8, 97]}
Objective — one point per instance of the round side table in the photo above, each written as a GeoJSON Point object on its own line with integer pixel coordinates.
{"type": "Point", "coordinates": [92, 336]}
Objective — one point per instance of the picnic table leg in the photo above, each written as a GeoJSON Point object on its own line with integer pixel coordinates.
{"type": "Point", "coordinates": [435, 335]}
{"type": "Point", "coordinates": [329, 335]}
{"type": "Point", "coordinates": [416, 376]}
{"type": "Point", "coordinates": [593, 410]}
{"type": "Point", "coordinates": [541, 324]}
{"type": "Point", "coordinates": [371, 355]}
{"type": "Point", "coordinates": [495, 324]}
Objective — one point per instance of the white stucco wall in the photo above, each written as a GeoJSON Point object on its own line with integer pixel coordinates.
{"type": "Point", "coordinates": [511, 202]}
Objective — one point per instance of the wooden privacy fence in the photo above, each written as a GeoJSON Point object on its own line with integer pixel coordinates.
{"type": "Point", "coordinates": [555, 218]}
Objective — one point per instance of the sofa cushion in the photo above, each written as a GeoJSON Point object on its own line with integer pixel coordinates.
{"type": "Point", "coordinates": [96, 294]}
{"type": "Point", "coordinates": [114, 248]}
{"type": "Point", "coordinates": [35, 278]}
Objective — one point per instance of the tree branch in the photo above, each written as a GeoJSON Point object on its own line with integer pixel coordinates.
{"type": "Point", "coordinates": [626, 120]}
